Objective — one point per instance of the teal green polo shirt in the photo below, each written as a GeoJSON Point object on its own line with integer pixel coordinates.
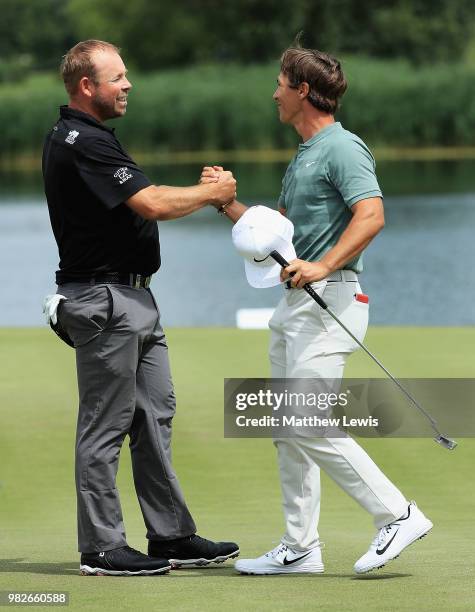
{"type": "Point", "coordinates": [330, 172]}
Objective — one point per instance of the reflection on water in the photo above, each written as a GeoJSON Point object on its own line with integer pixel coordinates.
{"type": "Point", "coordinates": [419, 271]}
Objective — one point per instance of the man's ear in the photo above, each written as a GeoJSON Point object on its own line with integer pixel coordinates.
{"type": "Point", "coordinates": [304, 90]}
{"type": "Point", "coordinates": [85, 87]}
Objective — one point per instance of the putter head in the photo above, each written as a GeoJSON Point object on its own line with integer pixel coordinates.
{"type": "Point", "coordinates": [445, 442]}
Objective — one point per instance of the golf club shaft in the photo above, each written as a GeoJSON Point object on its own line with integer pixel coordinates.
{"type": "Point", "coordinates": [395, 380]}
{"type": "Point", "coordinates": [280, 260]}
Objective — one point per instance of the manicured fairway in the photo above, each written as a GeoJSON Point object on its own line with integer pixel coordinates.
{"type": "Point", "coordinates": [231, 485]}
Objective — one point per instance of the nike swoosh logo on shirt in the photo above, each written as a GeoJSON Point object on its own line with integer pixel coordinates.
{"type": "Point", "coordinates": [383, 550]}
{"type": "Point", "coordinates": [289, 562]}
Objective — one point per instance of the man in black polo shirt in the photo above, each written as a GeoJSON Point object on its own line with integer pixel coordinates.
{"type": "Point", "coordinates": [103, 212]}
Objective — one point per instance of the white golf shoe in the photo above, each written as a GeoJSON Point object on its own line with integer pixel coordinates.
{"type": "Point", "coordinates": [392, 539]}
{"type": "Point", "coordinates": [283, 560]}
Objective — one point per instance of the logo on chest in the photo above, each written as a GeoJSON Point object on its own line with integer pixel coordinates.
{"type": "Point", "coordinates": [71, 137]}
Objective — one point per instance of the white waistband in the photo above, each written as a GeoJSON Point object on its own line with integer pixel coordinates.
{"type": "Point", "coordinates": [342, 275]}
{"type": "Point", "coordinates": [337, 276]}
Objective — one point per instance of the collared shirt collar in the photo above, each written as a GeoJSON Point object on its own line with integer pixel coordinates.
{"type": "Point", "coordinates": [73, 113]}
{"type": "Point", "coordinates": [320, 135]}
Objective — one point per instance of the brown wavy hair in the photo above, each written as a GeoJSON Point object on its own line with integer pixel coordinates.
{"type": "Point", "coordinates": [321, 71]}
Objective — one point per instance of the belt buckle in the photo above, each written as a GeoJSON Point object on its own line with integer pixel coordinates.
{"type": "Point", "coordinates": [137, 281]}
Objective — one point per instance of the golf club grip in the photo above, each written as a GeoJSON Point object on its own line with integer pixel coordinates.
{"type": "Point", "coordinates": [312, 293]}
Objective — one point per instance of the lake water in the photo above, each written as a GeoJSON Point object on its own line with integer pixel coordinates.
{"type": "Point", "coordinates": [418, 271]}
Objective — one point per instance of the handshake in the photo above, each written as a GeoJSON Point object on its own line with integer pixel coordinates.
{"type": "Point", "coordinates": [222, 185]}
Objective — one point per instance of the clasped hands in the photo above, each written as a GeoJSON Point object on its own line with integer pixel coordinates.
{"type": "Point", "coordinates": [304, 271]}
{"type": "Point", "coordinates": [225, 184]}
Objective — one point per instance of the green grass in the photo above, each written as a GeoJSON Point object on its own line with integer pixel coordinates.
{"type": "Point", "coordinates": [231, 485]}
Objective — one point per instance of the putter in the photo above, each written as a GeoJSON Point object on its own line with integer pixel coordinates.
{"type": "Point", "coordinates": [439, 438]}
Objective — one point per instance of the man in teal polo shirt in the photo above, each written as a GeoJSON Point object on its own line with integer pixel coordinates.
{"type": "Point", "coordinates": [331, 195]}
{"type": "Point", "coordinates": [332, 171]}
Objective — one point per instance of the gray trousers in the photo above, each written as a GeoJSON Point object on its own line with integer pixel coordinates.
{"type": "Point", "coordinates": [125, 388]}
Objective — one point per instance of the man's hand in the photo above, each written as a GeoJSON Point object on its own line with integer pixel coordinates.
{"type": "Point", "coordinates": [210, 174]}
{"type": "Point", "coordinates": [224, 189]}
{"type": "Point", "coordinates": [305, 272]}
{"type": "Point", "coordinates": [223, 179]}
{"type": "Point", "coordinates": [213, 175]}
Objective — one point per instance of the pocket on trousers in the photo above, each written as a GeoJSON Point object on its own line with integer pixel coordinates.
{"type": "Point", "coordinates": [86, 314]}
{"type": "Point", "coordinates": [361, 324]}
{"type": "Point", "coordinates": [59, 329]}
{"type": "Point", "coordinates": [305, 315]}
{"type": "Point", "coordinates": [355, 316]}
{"type": "Point", "coordinates": [342, 301]}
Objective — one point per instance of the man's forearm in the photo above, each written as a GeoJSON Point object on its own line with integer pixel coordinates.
{"type": "Point", "coordinates": [367, 221]}
{"type": "Point", "coordinates": [175, 202]}
{"type": "Point", "coordinates": [352, 242]}
{"type": "Point", "coordinates": [164, 202]}
{"type": "Point", "coordinates": [235, 210]}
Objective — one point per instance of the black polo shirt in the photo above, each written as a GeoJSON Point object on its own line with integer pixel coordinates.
{"type": "Point", "coordinates": [88, 176]}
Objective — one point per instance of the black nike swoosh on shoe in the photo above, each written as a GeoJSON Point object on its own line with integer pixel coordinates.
{"type": "Point", "coordinates": [408, 514]}
{"type": "Point", "coordinates": [289, 562]}
{"type": "Point", "coordinates": [383, 550]}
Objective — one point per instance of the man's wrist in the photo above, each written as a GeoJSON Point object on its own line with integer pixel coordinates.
{"type": "Point", "coordinates": [327, 265]}
{"type": "Point", "coordinates": [209, 195]}
{"type": "Point", "coordinates": [234, 210]}
{"type": "Point", "coordinates": [222, 209]}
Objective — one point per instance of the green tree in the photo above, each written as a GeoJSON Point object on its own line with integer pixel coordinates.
{"type": "Point", "coordinates": [170, 33]}
{"type": "Point", "coordinates": [421, 31]}
{"type": "Point", "coordinates": [39, 29]}
{"type": "Point", "coordinates": [152, 35]}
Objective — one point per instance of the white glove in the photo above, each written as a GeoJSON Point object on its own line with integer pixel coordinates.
{"type": "Point", "coordinates": [50, 306]}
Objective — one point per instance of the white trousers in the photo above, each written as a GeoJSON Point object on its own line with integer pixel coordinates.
{"type": "Point", "coordinates": [306, 342]}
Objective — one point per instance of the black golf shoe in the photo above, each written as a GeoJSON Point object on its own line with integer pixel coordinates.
{"type": "Point", "coordinates": [193, 551]}
{"type": "Point", "coordinates": [123, 561]}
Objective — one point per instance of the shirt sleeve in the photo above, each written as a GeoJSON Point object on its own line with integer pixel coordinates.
{"type": "Point", "coordinates": [109, 172]}
{"type": "Point", "coordinates": [351, 169]}
{"type": "Point", "coordinates": [281, 201]}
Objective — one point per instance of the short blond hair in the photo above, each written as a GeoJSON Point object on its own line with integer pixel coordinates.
{"type": "Point", "coordinates": [77, 63]}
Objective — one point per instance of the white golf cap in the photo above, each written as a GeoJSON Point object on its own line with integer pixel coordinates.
{"type": "Point", "coordinates": [258, 232]}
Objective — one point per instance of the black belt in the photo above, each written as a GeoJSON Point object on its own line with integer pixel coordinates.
{"type": "Point", "coordinates": [111, 278]}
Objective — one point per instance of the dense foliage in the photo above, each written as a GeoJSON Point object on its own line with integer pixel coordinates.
{"type": "Point", "coordinates": [34, 34]}
{"type": "Point", "coordinates": [230, 107]}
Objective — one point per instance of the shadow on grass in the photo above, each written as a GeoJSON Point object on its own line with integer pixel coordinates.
{"type": "Point", "coordinates": [229, 572]}
{"type": "Point", "coordinates": [23, 566]}
{"type": "Point", "coordinates": [381, 576]}
{"type": "Point", "coordinates": [20, 566]}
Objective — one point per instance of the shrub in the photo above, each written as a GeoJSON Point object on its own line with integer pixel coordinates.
{"type": "Point", "coordinates": [226, 107]}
